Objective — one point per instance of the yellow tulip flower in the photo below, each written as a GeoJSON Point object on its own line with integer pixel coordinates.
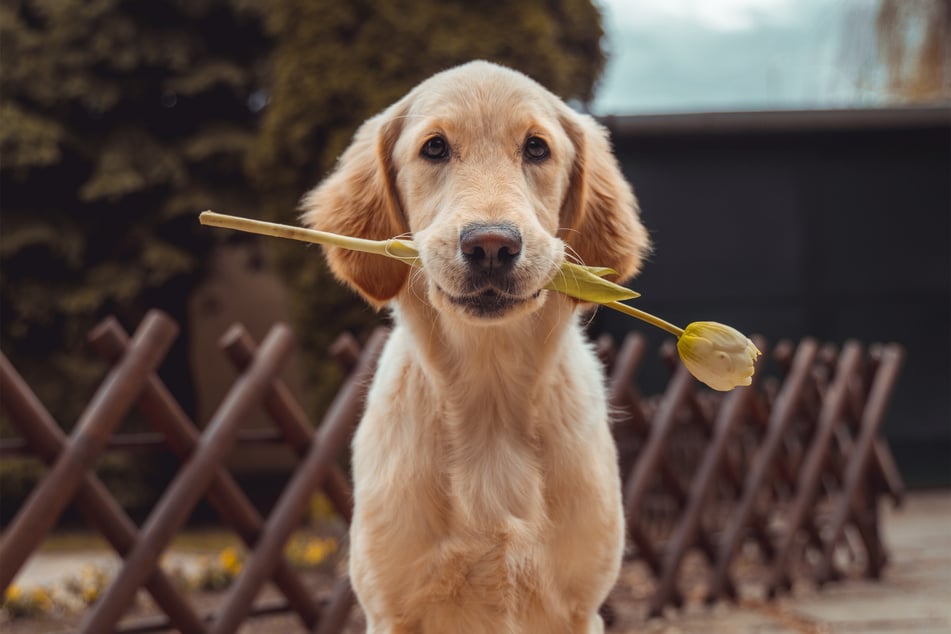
{"type": "Point", "coordinates": [717, 355]}
{"type": "Point", "coordinates": [720, 356]}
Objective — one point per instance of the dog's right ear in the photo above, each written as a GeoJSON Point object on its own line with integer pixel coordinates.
{"type": "Point", "coordinates": [359, 199]}
{"type": "Point", "coordinates": [600, 212]}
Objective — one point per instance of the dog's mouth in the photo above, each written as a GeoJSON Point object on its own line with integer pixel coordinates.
{"type": "Point", "coordinates": [488, 302]}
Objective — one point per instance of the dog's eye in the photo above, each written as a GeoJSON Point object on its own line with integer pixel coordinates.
{"type": "Point", "coordinates": [536, 149]}
{"type": "Point", "coordinates": [435, 149]}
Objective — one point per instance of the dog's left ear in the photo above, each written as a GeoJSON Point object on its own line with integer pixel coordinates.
{"type": "Point", "coordinates": [600, 216]}
{"type": "Point", "coordinates": [359, 199]}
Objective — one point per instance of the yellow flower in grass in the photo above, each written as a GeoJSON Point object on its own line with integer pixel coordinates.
{"type": "Point", "coordinates": [310, 551]}
{"type": "Point", "coordinates": [318, 549]}
{"type": "Point", "coordinates": [87, 585]}
{"type": "Point", "coordinates": [27, 603]}
{"type": "Point", "coordinates": [321, 508]}
{"type": "Point", "coordinates": [230, 561]}
{"type": "Point", "coordinates": [720, 356]}
{"type": "Point", "coordinates": [41, 598]}
{"type": "Point", "coordinates": [12, 594]}
{"type": "Point", "coordinates": [90, 594]}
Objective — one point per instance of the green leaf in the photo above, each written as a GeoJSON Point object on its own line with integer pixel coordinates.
{"type": "Point", "coordinates": [587, 283]}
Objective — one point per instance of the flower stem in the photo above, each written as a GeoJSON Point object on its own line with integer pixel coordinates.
{"type": "Point", "coordinates": [651, 319]}
{"type": "Point", "coordinates": [276, 230]}
{"type": "Point", "coordinates": [403, 250]}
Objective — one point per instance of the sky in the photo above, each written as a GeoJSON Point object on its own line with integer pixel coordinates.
{"type": "Point", "coordinates": [722, 55]}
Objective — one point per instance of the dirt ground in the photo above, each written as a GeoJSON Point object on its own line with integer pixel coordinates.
{"type": "Point", "coordinates": [913, 597]}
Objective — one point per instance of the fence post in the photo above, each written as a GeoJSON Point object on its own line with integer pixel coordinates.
{"type": "Point", "coordinates": [187, 487]}
{"type": "Point", "coordinates": [648, 464]}
{"type": "Point", "coordinates": [730, 414]}
{"type": "Point", "coordinates": [857, 468]}
{"type": "Point", "coordinates": [784, 409]}
{"type": "Point", "coordinates": [42, 433]}
{"type": "Point", "coordinates": [288, 415]}
{"type": "Point", "coordinates": [331, 435]}
{"type": "Point", "coordinates": [224, 494]}
{"type": "Point", "coordinates": [829, 416]}
{"type": "Point", "coordinates": [103, 414]}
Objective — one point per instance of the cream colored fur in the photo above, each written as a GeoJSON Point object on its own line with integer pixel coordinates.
{"type": "Point", "coordinates": [486, 483]}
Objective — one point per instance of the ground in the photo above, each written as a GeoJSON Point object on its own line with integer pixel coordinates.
{"type": "Point", "coordinates": [913, 597]}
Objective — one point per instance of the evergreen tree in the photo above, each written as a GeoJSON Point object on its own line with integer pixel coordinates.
{"type": "Point", "coordinates": [118, 121]}
{"type": "Point", "coordinates": [121, 119]}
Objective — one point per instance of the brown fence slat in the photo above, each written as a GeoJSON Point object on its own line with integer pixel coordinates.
{"type": "Point", "coordinates": [164, 413]}
{"type": "Point", "coordinates": [338, 611]}
{"type": "Point", "coordinates": [808, 484]}
{"type": "Point", "coordinates": [651, 461]}
{"type": "Point", "coordinates": [42, 433]}
{"type": "Point", "coordinates": [784, 410]}
{"type": "Point", "coordinates": [288, 415]}
{"type": "Point", "coordinates": [103, 414]}
{"type": "Point", "coordinates": [333, 432]}
{"type": "Point", "coordinates": [703, 418]}
{"type": "Point", "coordinates": [850, 501]}
{"type": "Point", "coordinates": [685, 534]}
{"type": "Point", "coordinates": [188, 486]}
{"type": "Point", "coordinates": [883, 462]}
{"type": "Point", "coordinates": [140, 441]}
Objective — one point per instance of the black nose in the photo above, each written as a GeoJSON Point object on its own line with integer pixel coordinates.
{"type": "Point", "coordinates": [490, 248]}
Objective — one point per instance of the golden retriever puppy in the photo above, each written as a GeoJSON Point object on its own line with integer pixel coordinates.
{"type": "Point", "coordinates": [485, 475]}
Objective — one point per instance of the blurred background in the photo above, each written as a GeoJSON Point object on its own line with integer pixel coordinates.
{"type": "Point", "coordinates": [792, 160]}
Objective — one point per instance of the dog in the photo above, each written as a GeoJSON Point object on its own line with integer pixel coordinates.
{"type": "Point", "coordinates": [486, 486]}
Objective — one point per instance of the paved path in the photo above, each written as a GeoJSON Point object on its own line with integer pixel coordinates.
{"type": "Point", "coordinates": [53, 568]}
{"type": "Point", "coordinates": [914, 597]}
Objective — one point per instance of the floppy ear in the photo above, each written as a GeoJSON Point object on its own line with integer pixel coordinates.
{"type": "Point", "coordinates": [359, 199]}
{"type": "Point", "coordinates": [600, 215]}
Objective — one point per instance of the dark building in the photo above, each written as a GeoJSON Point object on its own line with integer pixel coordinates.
{"type": "Point", "coordinates": [834, 224]}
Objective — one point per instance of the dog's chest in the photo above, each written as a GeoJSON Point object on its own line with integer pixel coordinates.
{"type": "Point", "coordinates": [476, 496]}
{"type": "Point", "coordinates": [481, 441]}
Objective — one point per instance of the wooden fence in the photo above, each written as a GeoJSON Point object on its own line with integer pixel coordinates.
{"type": "Point", "coordinates": [796, 465]}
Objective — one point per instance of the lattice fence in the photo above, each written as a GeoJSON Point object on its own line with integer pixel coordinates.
{"type": "Point", "coordinates": [794, 465]}
{"type": "Point", "coordinates": [133, 382]}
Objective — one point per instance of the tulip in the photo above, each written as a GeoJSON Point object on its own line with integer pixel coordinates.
{"type": "Point", "coordinates": [720, 356]}
{"type": "Point", "coordinates": [717, 355]}
{"type": "Point", "coordinates": [586, 283]}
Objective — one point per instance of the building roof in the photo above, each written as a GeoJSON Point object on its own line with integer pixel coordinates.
{"type": "Point", "coordinates": [781, 121]}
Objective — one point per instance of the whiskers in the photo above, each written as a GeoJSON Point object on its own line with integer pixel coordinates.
{"type": "Point", "coordinates": [575, 258]}
{"type": "Point", "coordinates": [570, 254]}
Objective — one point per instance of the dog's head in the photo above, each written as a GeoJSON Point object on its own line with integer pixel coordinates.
{"type": "Point", "coordinates": [497, 181]}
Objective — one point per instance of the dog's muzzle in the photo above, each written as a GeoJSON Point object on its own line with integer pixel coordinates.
{"type": "Point", "coordinates": [490, 253]}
